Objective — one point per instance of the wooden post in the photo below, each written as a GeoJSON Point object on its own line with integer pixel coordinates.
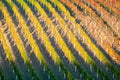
{"type": "Point", "coordinates": [97, 74]}
{"type": "Point", "coordinates": [48, 76]}
{"type": "Point", "coordinates": [113, 75]}
{"type": "Point", "coordinates": [90, 68]}
{"type": "Point", "coordinates": [43, 68]}
{"type": "Point", "coordinates": [64, 76]}
{"type": "Point", "coordinates": [28, 70]}
{"type": "Point", "coordinates": [16, 77]}
{"type": "Point", "coordinates": [106, 68]}
{"type": "Point", "coordinates": [59, 69]}
{"type": "Point", "coordinates": [75, 68]}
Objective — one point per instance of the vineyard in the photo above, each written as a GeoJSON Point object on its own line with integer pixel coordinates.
{"type": "Point", "coordinates": [59, 39]}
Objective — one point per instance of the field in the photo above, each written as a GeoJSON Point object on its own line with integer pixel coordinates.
{"type": "Point", "coordinates": [59, 39]}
